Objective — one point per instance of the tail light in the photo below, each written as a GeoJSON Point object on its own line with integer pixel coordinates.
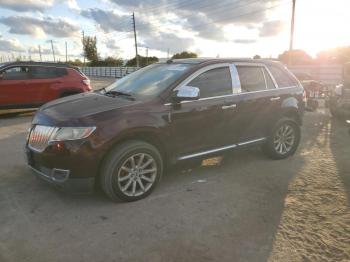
{"type": "Point", "coordinates": [87, 83]}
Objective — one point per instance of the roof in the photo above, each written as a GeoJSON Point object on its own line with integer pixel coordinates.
{"type": "Point", "coordinates": [28, 63]}
{"type": "Point", "coordinates": [220, 60]}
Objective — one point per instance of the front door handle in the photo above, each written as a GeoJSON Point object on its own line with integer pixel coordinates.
{"type": "Point", "coordinates": [275, 98]}
{"type": "Point", "coordinates": [228, 107]}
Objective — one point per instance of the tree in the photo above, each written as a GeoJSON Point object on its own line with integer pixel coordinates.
{"type": "Point", "coordinates": [336, 55]}
{"type": "Point", "coordinates": [257, 57]}
{"type": "Point", "coordinates": [143, 61]}
{"type": "Point", "coordinates": [90, 49]}
{"type": "Point", "coordinates": [76, 62]}
{"type": "Point", "coordinates": [295, 57]}
{"type": "Point", "coordinates": [184, 54]}
{"type": "Point", "coordinates": [110, 61]}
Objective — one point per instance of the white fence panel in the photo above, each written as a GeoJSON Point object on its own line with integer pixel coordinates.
{"type": "Point", "coordinates": [115, 72]}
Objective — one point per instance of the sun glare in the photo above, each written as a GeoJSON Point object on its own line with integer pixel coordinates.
{"type": "Point", "coordinates": [322, 25]}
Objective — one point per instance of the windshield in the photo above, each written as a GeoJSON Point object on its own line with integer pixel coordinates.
{"type": "Point", "coordinates": [150, 80]}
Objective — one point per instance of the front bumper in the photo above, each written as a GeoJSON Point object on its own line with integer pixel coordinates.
{"type": "Point", "coordinates": [73, 169]}
{"type": "Point", "coordinates": [60, 178]}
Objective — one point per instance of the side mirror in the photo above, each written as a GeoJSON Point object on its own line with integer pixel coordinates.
{"type": "Point", "coordinates": [186, 93]}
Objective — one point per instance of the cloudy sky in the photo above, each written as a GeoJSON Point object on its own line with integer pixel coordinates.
{"type": "Point", "coordinates": [226, 28]}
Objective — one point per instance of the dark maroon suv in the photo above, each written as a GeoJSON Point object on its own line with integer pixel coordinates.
{"type": "Point", "coordinates": [122, 136]}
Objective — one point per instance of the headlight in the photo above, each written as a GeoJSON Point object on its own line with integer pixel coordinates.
{"type": "Point", "coordinates": [72, 133]}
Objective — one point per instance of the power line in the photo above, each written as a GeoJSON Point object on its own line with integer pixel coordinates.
{"type": "Point", "coordinates": [199, 25]}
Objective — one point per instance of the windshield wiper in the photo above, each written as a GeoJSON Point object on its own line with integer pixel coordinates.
{"type": "Point", "coordinates": [117, 93]}
{"type": "Point", "coordinates": [102, 89]}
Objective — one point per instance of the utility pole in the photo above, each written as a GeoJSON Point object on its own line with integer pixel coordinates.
{"type": "Point", "coordinates": [83, 46]}
{"type": "Point", "coordinates": [146, 55]}
{"type": "Point", "coordinates": [168, 54]}
{"type": "Point", "coordinates": [66, 53]}
{"type": "Point", "coordinates": [135, 37]}
{"type": "Point", "coordinates": [53, 52]}
{"type": "Point", "coordinates": [40, 54]}
{"type": "Point", "coordinates": [292, 32]}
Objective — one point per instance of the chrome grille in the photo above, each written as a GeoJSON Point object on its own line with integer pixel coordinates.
{"type": "Point", "coordinates": [39, 137]}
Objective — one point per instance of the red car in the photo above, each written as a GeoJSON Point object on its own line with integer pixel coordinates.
{"type": "Point", "coordinates": [31, 84]}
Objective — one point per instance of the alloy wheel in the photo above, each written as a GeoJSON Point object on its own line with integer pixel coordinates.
{"type": "Point", "coordinates": [137, 174]}
{"type": "Point", "coordinates": [284, 139]}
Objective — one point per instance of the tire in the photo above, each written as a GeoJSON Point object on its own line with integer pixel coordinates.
{"type": "Point", "coordinates": [277, 147]}
{"type": "Point", "coordinates": [121, 177]}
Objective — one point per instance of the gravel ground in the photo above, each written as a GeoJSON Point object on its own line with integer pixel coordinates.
{"type": "Point", "coordinates": [99, 82]}
{"type": "Point", "coordinates": [240, 207]}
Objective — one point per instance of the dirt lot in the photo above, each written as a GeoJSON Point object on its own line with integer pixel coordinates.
{"type": "Point", "coordinates": [244, 208]}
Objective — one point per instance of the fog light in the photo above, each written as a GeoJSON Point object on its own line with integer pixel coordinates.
{"type": "Point", "coordinates": [60, 175]}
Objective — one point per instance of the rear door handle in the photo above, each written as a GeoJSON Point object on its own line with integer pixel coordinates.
{"type": "Point", "coordinates": [228, 107]}
{"type": "Point", "coordinates": [275, 98]}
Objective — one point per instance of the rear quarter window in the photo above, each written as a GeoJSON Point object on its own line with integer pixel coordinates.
{"type": "Point", "coordinates": [282, 78]}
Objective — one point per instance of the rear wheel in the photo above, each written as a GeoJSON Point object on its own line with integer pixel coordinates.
{"type": "Point", "coordinates": [283, 140]}
{"type": "Point", "coordinates": [131, 171]}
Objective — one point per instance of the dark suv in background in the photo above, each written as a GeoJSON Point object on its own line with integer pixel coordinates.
{"type": "Point", "coordinates": [123, 136]}
{"type": "Point", "coordinates": [31, 84]}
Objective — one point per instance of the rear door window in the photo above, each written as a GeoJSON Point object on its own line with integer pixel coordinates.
{"type": "Point", "coordinates": [214, 82]}
{"type": "Point", "coordinates": [251, 78]}
{"type": "Point", "coordinates": [282, 78]}
{"type": "Point", "coordinates": [16, 73]}
{"type": "Point", "coordinates": [40, 72]}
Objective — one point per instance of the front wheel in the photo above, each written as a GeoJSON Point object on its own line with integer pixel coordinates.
{"type": "Point", "coordinates": [283, 140]}
{"type": "Point", "coordinates": [131, 171]}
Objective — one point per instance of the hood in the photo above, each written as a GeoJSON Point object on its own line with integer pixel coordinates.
{"type": "Point", "coordinates": [82, 106]}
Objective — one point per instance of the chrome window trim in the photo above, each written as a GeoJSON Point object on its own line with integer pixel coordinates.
{"type": "Point", "coordinates": [262, 69]}
{"type": "Point", "coordinates": [238, 94]}
{"type": "Point", "coordinates": [236, 83]}
{"type": "Point", "coordinates": [233, 74]}
{"type": "Point", "coordinates": [261, 66]}
{"type": "Point", "coordinates": [273, 79]}
{"type": "Point", "coordinates": [201, 71]}
{"type": "Point", "coordinates": [220, 149]}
